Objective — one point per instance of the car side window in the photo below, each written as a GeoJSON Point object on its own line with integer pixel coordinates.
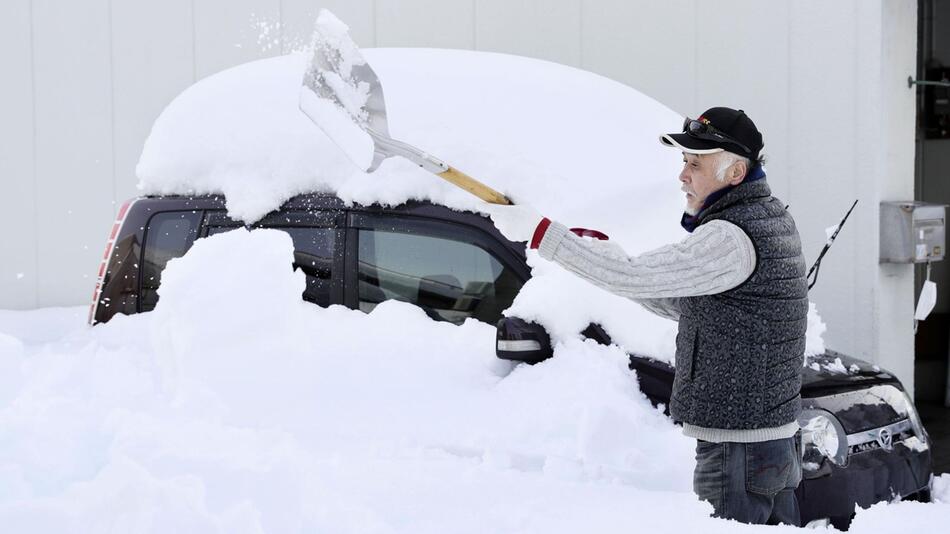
{"type": "Point", "coordinates": [313, 255]}
{"type": "Point", "coordinates": [451, 279]}
{"type": "Point", "coordinates": [168, 235]}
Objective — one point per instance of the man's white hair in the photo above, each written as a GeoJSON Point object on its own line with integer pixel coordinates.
{"type": "Point", "coordinates": [725, 160]}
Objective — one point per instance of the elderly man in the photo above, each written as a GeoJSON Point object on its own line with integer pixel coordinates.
{"type": "Point", "coordinates": [737, 287]}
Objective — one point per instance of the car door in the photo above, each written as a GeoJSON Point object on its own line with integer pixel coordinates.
{"type": "Point", "coordinates": [319, 244]}
{"type": "Point", "coordinates": [449, 269]}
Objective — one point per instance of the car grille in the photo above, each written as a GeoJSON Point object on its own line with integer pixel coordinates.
{"type": "Point", "coordinates": [884, 437]}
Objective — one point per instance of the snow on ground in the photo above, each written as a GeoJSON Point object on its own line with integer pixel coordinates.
{"type": "Point", "coordinates": [207, 415]}
{"type": "Point", "coordinates": [941, 489]}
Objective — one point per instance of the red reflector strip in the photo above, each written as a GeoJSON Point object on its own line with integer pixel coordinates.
{"type": "Point", "coordinates": [92, 307]}
{"type": "Point", "coordinates": [123, 210]}
{"type": "Point", "coordinates": [110, 246]}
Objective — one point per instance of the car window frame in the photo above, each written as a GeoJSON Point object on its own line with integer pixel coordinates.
{"type": "Point", "coordinates": [310, 218]}
{"type": "Point", "coordinates": [140, 271]}
{"type": "Point", "coordinates": [424, 225]}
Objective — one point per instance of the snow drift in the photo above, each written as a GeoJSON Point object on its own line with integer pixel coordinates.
{"type": "Point", "coordinates": [197, 418]}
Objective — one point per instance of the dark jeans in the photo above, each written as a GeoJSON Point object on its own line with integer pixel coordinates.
{"type": "Point", "coordinates": [750, 482]}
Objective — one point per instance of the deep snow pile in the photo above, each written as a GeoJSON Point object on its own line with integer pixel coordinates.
{"type": "Point", "coordinates": [206, 415]}
{"type": "Point", "coordinates": [209, 416]}
{"type": "Point", "coordinates": [581, 148]}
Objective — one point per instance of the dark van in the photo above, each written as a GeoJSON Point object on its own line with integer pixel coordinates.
{"type": "Point", "coordinates": [863, 441]}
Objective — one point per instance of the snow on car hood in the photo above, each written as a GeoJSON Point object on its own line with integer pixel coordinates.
{"type": "Point", "coordinates": [579, 147]}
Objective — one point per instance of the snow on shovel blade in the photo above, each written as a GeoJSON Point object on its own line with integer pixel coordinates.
{"type": "Point", "coordinates": [342, 94]}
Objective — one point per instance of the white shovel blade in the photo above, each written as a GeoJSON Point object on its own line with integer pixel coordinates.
{"type": "Point", "coordinates": [332, 96]}
{"type": "Point", "coordinates": [339, 127]}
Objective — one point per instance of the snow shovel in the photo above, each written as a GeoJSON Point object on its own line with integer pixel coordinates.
{"type": "Point", "coordinates": [343, 96]}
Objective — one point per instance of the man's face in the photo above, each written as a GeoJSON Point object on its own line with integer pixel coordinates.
{"type": "Point", "coordinates": [699, 179]}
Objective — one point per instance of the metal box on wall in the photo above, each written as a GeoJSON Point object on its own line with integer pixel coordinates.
{"type": "Point", "coordinates": [912, 232]}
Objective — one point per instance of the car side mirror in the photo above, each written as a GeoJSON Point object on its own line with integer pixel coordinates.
{"type": "Point", "coordinates": [521, 341]}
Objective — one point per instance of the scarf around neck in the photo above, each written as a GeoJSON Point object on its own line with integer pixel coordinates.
{"type": "Point", "coordinates": [690, 222]}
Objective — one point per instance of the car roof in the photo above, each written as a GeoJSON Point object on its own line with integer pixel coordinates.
{"type": "Point", "coordinates": [329, 201]}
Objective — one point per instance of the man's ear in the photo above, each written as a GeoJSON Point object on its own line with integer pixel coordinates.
{"type": "Point", "coordinates": [737, 173]}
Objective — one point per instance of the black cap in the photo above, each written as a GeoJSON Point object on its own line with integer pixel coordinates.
{"type": "Point", "coordinates": [741, 135]}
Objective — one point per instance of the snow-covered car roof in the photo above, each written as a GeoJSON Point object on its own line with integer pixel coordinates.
{"type": "Point", "coordinates": [579, 147]}
{"type": "Point", "coordinates": [576, 145]}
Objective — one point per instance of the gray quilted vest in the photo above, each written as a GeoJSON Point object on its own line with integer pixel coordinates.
{"type": "Point", "coordinates": [739, 353]}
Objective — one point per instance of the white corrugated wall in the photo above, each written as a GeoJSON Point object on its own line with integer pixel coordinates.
{"type": "Point", "coordinates": [826, 81]}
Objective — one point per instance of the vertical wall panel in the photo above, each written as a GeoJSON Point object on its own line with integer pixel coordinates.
{"type": "Point", "coordinates": [298, 16]}
{"type": "Point", "coordinates": [535, 28]}
{"type": "Point", "coordinates": [941, 39]}
{"type": "Point", "coordinates": [934, 160]}
{"type": "Point", "coordinates": [868, 160]}
{"type": "Point", "coordinates": [821, 155]}
{"type": "Point", "coordinates": [74, 179]}
{"type": "Point", "coordinates": [886, 152]}
{"type": "Point", "coordinates": [648, 46]}
{"type": "Point", "coordinates": [742, 62]}
{"type": "Point", "coordinates": [426, 23]}
{"type": "Point", "coordinates": [152, 62]}
{"type": "Point", "coordinates": [231, 32]}
{"type": "Point", "coordinates": [18, 276]}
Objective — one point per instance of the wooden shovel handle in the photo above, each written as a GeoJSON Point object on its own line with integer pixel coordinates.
{"type": "Point", "coordinates": [473, 186]}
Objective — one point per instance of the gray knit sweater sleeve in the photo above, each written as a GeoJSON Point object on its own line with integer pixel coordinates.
{"type": "Point", "coordinates": [716, 257]}
{"type": "Point", "coordinates": [668, 308]}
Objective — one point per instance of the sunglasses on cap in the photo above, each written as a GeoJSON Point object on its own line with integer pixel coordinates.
{"type": "Point", "coordinates": [702, 130]}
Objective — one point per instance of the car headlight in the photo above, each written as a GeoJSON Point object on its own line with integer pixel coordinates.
{"type": "Point", "coordinates": [919, 430]}
{"type": "Point", "coordinates": [823, 436]}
